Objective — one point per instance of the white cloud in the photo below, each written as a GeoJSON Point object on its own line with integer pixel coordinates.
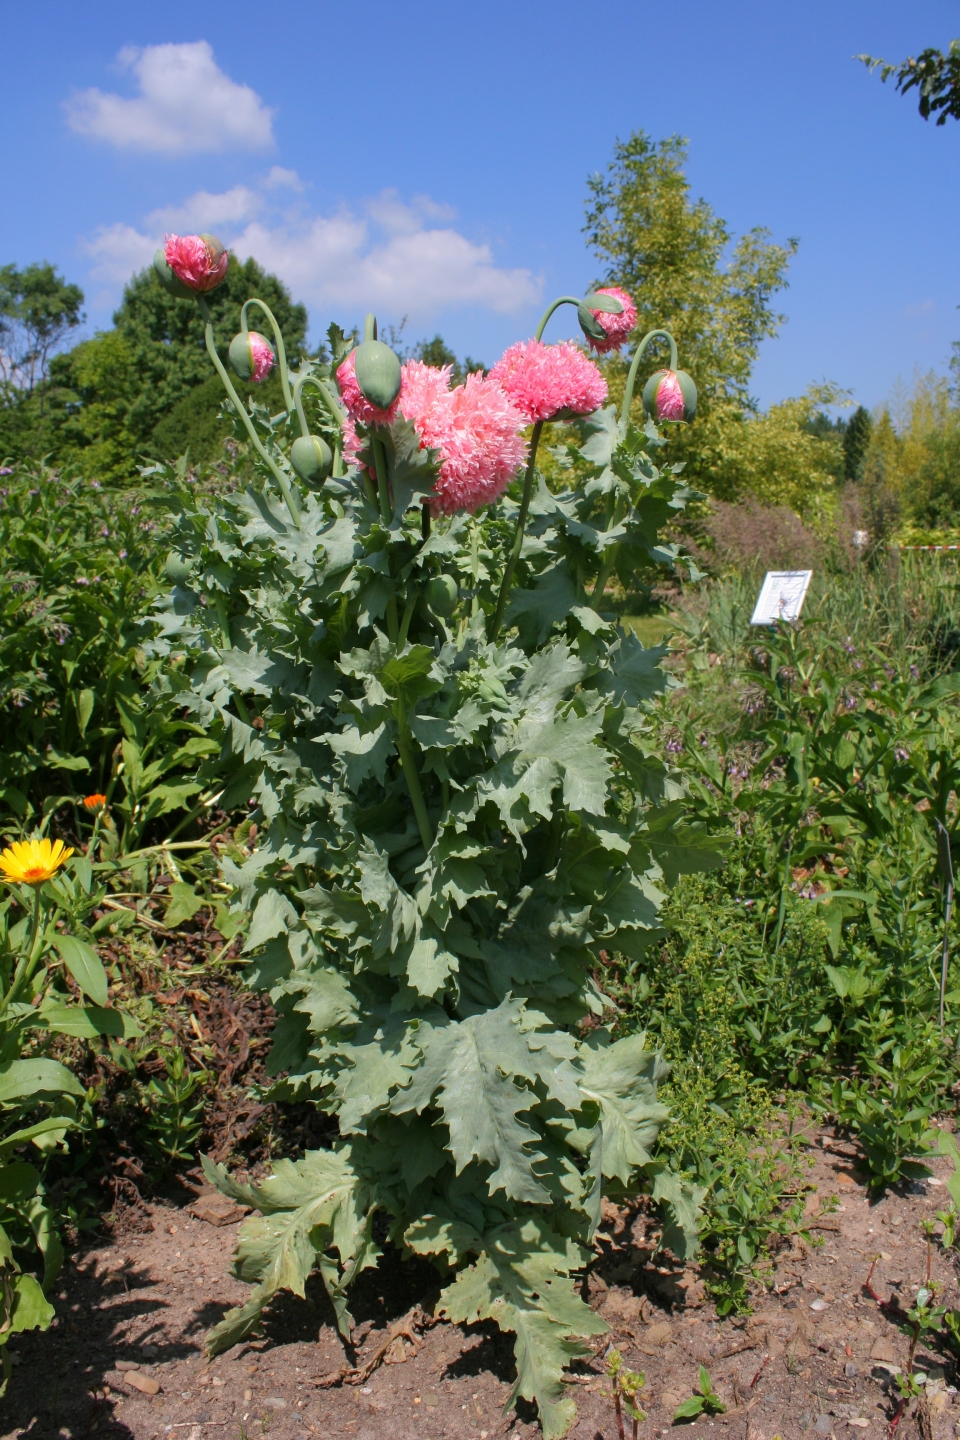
{"type": "Point", "coordinates": [388, 258]}
{"type": "Point", "coordinates": [398, 265]}
{"type": "Point", "coordinates": [205, 212]}
{"type": "Point", "coordinates": [281, 178]}
{"type": "Point", "coordinates": [118, 251]}
{"type": "Point", "coordinates": [186, 105]}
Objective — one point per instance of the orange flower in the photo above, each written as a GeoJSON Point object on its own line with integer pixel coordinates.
{"type": "Point", "coordinates": [94, 803]}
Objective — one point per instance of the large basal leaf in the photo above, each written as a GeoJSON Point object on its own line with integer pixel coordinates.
{"type": "Point", "coordinates": [470, 1068]}
{"type": "Point", "coordinates": [522, 1281]}
{"type": "Point", "coordinates": [308, 1207]}
{"type": "Point", "coordinates": [622, 1078]}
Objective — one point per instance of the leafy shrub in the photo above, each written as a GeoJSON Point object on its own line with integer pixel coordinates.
{"type": "Point", "coordinates": [453, 821]}
{"type": "Point", "coordinates": [43, 940]}
{"type": "Point", "coordinates": [82, 568]}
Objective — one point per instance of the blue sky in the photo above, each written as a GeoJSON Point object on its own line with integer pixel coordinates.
{"type": "Point", "coordinates": [430, 159]}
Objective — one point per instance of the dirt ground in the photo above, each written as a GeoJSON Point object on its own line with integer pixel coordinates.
{"type": "Point", "coordinates": [124, 1358]}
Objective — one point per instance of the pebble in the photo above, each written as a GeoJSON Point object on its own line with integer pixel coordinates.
{"type": "Point", "coordinates": [823, 1425]}
{"type": "Point", "coordinates": [818, 1305]}
{"type": "Point", "coordinates": [122, 1365]}
{"type": "Point", "coordinates": [275, 1402]}
{"type": "Point", "coordinates": [146, 1384]}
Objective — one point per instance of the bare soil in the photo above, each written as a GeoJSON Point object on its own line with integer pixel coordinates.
{"type": "Point", "coordinates": [817, 1356]}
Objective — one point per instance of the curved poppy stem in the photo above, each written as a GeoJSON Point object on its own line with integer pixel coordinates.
{"type": "Point", "coordinates": [635, 365]}
{"type": "Point", "coordinates": [281, 479]}
{"type": "Point", "coordinates": [517, 545]}
{"type": "Point", "coordinates": [278, 340]}
{"type": "Point", "coordinates": [564, 300]}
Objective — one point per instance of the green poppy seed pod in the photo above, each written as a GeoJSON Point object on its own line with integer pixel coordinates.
{"type": "Point", "coordinates": [179, 568]}
{"type": "Point", "coordinates": [442, 595]}
{"type": "Point", "coordinates": [670, 395]}
{"type": "Point", "coordinates": [377, 370]}
{"type": "Point", "coordinates": [311, 458]}
{"type": "Point", "coordinates": [171, 282]}
{"type": "Point", "coordinates": [251, 355]}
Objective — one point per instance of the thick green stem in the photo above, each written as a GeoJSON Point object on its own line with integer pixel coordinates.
{"type": "Point", "coordinates": [281, 479]}
{"type": "Point", "coordinates": [329, 403]}
{"type": "Point", "coordinates": [413, 785]}
{"type": "Point", "coordinates": [26, 966]}
{"type": "Point", "coordinates": [383, 485]}
{"type": "Point", "coordinates": [635, 365]}
{"type": "Point", "coordinates": [411, 605]}
{"type": "Point", "coordinates": [606, 569]}
{"type": "Point", "coordinates": [517, 545]}
{"type": "Point", "coordinates": [278, 341]}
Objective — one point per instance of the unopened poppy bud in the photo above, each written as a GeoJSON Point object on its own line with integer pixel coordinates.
{"type": "Point", "coordinates": [442, 594]}
{"type": "Point", "coordinates": [179, 568]}
{"type": "Point", "coordinates": [670, 395]}
{"type": "Point", "coordinates": [251, 355]}
{"type": "Point", "coordinates": [312, 459]}
{"type": "Point", "coordinates": [377, 370]}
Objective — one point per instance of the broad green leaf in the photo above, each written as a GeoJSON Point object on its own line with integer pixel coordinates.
{"type": "Point", "coordinates": [522, 1281]}
{"type": "Point", "coordinates": [56, 761]}
{"type": "Point", "coordinates": [682, 1200]}
{"type": "Point", "coordinates": [31, 1308]}
{"type": "Point", "coordinates": [535, 611]}
{"type": "Point", "coordinates": [18, 1182]}
{"type": "Point", "coordinates": [85, 966]}
{"type": "Point", "coordinates": [470, 1067]}
{"type": "Point", "coordinates": [183, 904]}
{"type": "Point", "coordinates": [623, 1079]}
{"type": "Point", "coordinates": [56, 1124]}
{"type": "Point", "coordinates": [308, 1206]}
{"type": "Point", "coordinates": [28, 1079]}
{"type": "Point", "coordinates": [86, 1021]}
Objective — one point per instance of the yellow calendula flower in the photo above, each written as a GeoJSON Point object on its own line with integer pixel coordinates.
{"type": "Point", "coordinates": [31, 862]}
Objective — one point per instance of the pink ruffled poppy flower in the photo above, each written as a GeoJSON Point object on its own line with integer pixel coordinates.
{"type": "Point", "coordinates": [199, 261]}
{"type": "Point", "coordinates": [547, 382]}
{"type": "Point", "coordinates": [474, 428]}
{"type": "Point", "coordinates": [358, 406]}
{"type": "Point", "coordinates": [617, 327]}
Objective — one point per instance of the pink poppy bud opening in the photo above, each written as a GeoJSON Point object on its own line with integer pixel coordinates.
{"type": "Point", "coordinates": [617, 327]}
{"type": "Point", "coordinates": [251, 356]}
{"type": "Point", "coordinates": [670, 395]}
{"type": "Point", "coordinates": [198, 261]}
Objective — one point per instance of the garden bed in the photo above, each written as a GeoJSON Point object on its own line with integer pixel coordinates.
{"type": "Point", "coordinates": [817, 1355]}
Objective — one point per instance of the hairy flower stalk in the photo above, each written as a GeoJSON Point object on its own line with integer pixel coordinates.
{"type": "Point", "coordinates": [546, 383]}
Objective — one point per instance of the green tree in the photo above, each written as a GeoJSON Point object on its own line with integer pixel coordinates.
{"type": "Point", "coordinates": [38, 309]}
{"type": "Point", "coordinates": [165, 336]}
{"type": "Point", "coordinates": [438, 352]}
{"type": "Point", "coordinates": [143, 389]}
{"type": "Point", "coordinates": [935, 75]}
{"type": "Point", "coordinates": [679, 261]}
{"type": "Point", "coordinates": [856, 440]}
